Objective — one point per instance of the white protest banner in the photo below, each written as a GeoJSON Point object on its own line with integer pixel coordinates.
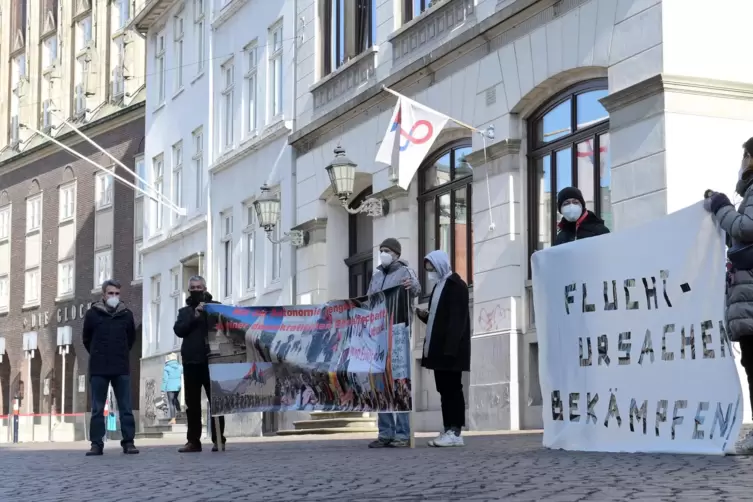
{"type": "Point", "coordinates": [633, 351]}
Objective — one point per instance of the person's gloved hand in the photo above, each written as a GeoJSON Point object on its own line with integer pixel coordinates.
{"type": "Point", "coordinates": [716, 202]}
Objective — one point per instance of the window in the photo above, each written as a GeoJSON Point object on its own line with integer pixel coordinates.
{"type": "Point", "coordinates": [102, 267]}
{"type": "Point", "coordinates": [4, 293]}
{"type": "Point", "coordinates": [178, 48]}
{"type": "Point", "coordinates": [227, 104]}
{"type": "Point", "coordinates": [138, 261]}
{"type": "Point", "coordinates": [227, 254]}
{"type": "Point", "coordinates": [5, 223]}
{"type": "Point", "coordinates": [360, 259]}
{"type": "Point", "coordinates": [141, 176]}
{"type": "Point", "coordinates": [81, 74]}
{"type": "Point", "coordinates": [49, 51]}
{"type": "Point", "coordinates": [155, 309]}
{"type": "Point", "coordinates": [65, 278]}
{"type": "Point", "coordinates": [158, 173]}
{"type": "Point", "coordinates": [444, 210]}
{"type": "Point", "coordinates": [252, 63]}
{"type": "Point", "coordinates": [31, 286]}
{"type": "Point", "coordinates": [104, 186]}
{"type": "Point", "coordinates": [275, 70]}
{"type": "Point", "coordinates": [175, 288]}
{"type": "Point", "coordinates": [67, 202]}
{"type": "Point", "coordinates": [177, 183]}
{"type": "Point", "coordinates": [414, 8]}
{"type": "Point", "coordinates": [83, 33]}
{"type": "Point", "coordinates": [118, 72]}
{"type": "Point", "coordinates": [198, 26]}
{"type": "Point", "coordinates": [160, 69]}
{"type": "Point", "coordinates": [5, 214]}
{"type": "Point", "coordinates": [198, 164]}
{"type": "Point", "coordinates": [340, 23]}
{"type": "Point", "coordinates": [249, 249]}
{"type": "Point", "coordinates": [568, 138]}
{"type": "Point", "coordinates": [33, 214]}
{"type": "Point", "coordinates": [122, 13]}
{"type": "Point", "coordinates": [18, 26]}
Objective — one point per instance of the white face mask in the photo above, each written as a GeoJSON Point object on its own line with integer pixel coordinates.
{"type": "Point", "coordinates": [572, 212]}
{"type": "Point", "coordinates": [385, 259]}
{"type": "Point", "coordinates": [113, 301]}
{"type": "Point", "coordinates": [433, 276]}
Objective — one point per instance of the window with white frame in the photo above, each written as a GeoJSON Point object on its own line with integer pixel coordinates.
{"type": "Point", "coordinates": [83, 33]}
{"type": "Point", "coordinates": [67, 197]}
{"type": "Point", "coordinates": [156, 293]}
{"type": "Point", "coordinates": [118, 71]}
{"type": "Point", "coordinates": [175, 292]}
{"type": "Point", "coordinates": [5, 213]}
{"type": "Point", "coordinates": [226, 227]}
{"type": "Point", "coordinates": [249, 249]}
{"type": "Point", "coordinates": [227, 109]}
{"type": "Point", "coordinates": [178, 49]}
{"type": "Point", "coordinates": [4, 293]}
{"type": "Point", "coordinates": [4, 223]}
{"type": "Point", "coordinates": [141, 176]}
{"type": "Point", "coordinates": [31, 286]}
{"type": "Point", "coordinates": [252, 66]}
{"type": "Point", "coordinates": [122, 13]}
{"type": "Point", "coordinates": [198, 165]}
{"type": "Point", "coordinates": [81, 73]}
{"type": "Point", "coordinates": [199, 28]}
{"type": "Point", "coordinates": [138, 261]}
{"type": "Point", "coordinates": [65, 278]}
{"type": "Point", "coordinates": [49, 51]}
{"type": "Point", "coordinates": [158, 183]}
{"type": "Point", "coordinates": [275, 70]}
{"type": "Point", "coordinates": [159, 66]}
{"type": "Point", "coordinates": [33, 213]}
{"type": "Point", "coordinates": [104, 188]}
{"type": "Point", "coordinates": [177, 181]}
{"type": "Point", "coordinates": [102, 267]}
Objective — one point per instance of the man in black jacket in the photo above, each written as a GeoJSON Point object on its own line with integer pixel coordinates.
{"type": "Point", "coordinates": [109, 335]}
{"type": "Point", "coordinates": [577, 221]}
{"type": "Point", "coordinates": [192, 326]}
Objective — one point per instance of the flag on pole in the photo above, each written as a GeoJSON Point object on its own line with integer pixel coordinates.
{"type": "Point", "coordinates": [410, 134]}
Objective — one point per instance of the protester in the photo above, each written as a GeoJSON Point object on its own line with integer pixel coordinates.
{"type": "Point", "coordinates": [108, 335]}
{"type": "Point", "coordinates": [171, 382]}
{"type": "Point", "coordinates": [738, 225]}
{"type": "Point", "coordinates": [577, 222]}
{"type": "Point", "coordinates": [193, 327]}
{"type": "Point", "coordinates": [394, 428]}
{"type": "Point", "coordinates": [447, 346]}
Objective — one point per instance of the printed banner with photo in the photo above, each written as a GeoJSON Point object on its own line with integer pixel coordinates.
{"type": "Point", "coordinates": [344, 355]}
{"type": "Point", "coordinates": [633, 351]}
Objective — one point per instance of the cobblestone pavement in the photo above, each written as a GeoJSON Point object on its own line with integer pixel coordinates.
{"type": "Point", "coordinates": [492, 467]}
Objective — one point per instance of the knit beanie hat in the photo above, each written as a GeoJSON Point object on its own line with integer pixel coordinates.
{"type": "Point", "coordinates": [393, 245]}
{"type": "Point", "coordinates": [570, 193]}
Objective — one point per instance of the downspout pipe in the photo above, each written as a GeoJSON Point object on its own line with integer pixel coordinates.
{"type": "Point", "coordinates": [294, 156]}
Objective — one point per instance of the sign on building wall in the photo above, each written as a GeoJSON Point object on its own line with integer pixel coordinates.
{"type": "Point", "coordinates": [633, 351]}
{"type": "Point", "coordinates": [82, 383]}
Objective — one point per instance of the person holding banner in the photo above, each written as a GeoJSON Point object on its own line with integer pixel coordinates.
{"type": "Point", "coordinates": [394, 428]}
{"type": "Point", "coordinates": [577, 221]}
{"type": "Point", "coordinates": [447, 346]}
{"type": "Point", "coordinates": [738, 225]}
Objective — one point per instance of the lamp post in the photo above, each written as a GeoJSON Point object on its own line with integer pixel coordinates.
{"type": "Point", "coordinates": [342, 175]}
{"type": "Point", "coordinates": [64, 345]}
{"type": "Point", "coordinates": [267, 208]}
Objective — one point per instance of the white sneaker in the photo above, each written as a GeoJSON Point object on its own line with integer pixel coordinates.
{"type": "Point", "coordinates": [745, 445]}
{"type": "Point", "coordinates": [431, 441]}
{"type": "Point", "coordinates": [448, 440]}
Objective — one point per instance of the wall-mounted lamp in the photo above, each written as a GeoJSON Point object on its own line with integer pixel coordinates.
{"type": "Point", "coordinates": [342, 175]}
{"type": "Point", "coordinates": [267, 208]}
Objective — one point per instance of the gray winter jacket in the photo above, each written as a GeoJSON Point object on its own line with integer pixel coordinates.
{"type": "Point", "coordinates": [394, 275]}
{"type": "Point", "coordinates": [738, 224]}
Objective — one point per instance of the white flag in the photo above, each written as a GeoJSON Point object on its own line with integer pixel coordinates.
{"type": "Point", "coordinates": [410, 134]}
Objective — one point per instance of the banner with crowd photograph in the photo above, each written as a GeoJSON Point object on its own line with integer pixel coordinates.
{"type": "Point", "coordinates": [633, 350]}
{"type": "Point", "coordinates": [344, 355]}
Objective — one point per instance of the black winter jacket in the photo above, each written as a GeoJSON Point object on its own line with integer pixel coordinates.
{"type": "Point", "coordinates": [108, 337]}
{"type": "Point", "coordinates": [450, 344]}
{"type": "Point", "coordinates": [589, 225]}
{"type": "Point", "coordinates": [194, 331]}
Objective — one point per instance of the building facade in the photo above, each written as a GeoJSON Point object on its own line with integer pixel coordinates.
{"type": "Point", "coordinates": [601, 94]}
{"type": "Point", "coordinates": [66, 222]}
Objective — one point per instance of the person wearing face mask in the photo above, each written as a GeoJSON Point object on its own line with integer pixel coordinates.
{"type": "Point", "coordinates": [738, 227]}
{"type": "Point", "coordinates": [192, 326]}
{"type": "Point", "coordinates": [577, 221]}
{"type": "Point", "coordinates": [108, 335]}
{"type": "Point", "coordinates": [447, 346]}
{"type": "Point", "coordinates": [394, 428]}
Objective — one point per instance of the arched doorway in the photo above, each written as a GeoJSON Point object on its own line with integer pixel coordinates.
{"type": "Point", "coordinates": [360, 259]}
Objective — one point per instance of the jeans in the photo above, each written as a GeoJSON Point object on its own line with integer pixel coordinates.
{"type": "Point", "coordinates": [173, 403]}
{"type": "Point", "coordinates": [450, 387]}
{"type": "Point", "coordinates": [394, 426]}
{"type": "Point", "coordinates": [121, 385]}
{"type": "Point", "coordinates": [196, 376]}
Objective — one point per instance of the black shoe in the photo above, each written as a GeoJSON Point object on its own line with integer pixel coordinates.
{"type": "Point", "coordinates": [130, 449]}
{"type": "Point", "coordinates": [216, 448]}
{"type": "Point", "coordinates": [190, 448]}
{"type": "Point", "coordinates": [94, 451]}
{"type": "Point", "coordinates": [381, 443]}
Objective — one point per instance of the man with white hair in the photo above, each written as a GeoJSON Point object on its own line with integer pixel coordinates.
{"type": "Point", "coordinates": [193, 326]}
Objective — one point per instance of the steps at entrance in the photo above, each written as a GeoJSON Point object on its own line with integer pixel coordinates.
{"type": "Point", "coordinates": [163, 428]}
{"type": "Point", "coordinates": [326, 422]}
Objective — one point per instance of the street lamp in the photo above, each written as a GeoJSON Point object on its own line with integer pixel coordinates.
{"type": "Point", "coordinates": [267, 208]}
{"type": "Point", "coordinates": [342, 175]}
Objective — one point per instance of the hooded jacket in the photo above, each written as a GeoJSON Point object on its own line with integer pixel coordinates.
{"type": "Point", "coordinates": [393, 275]}
{"type": "Point", "coordinates": [193, 330]}
{"type": "Point", "coordinates": [171, 376]}
{"type": "Point", "coordinates": [108, 336]}
{"type": "Point", "coordinates": [588, 225]}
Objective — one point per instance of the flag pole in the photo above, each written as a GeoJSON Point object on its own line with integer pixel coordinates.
{"type": "Point", "coordinates": [462, 124]}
